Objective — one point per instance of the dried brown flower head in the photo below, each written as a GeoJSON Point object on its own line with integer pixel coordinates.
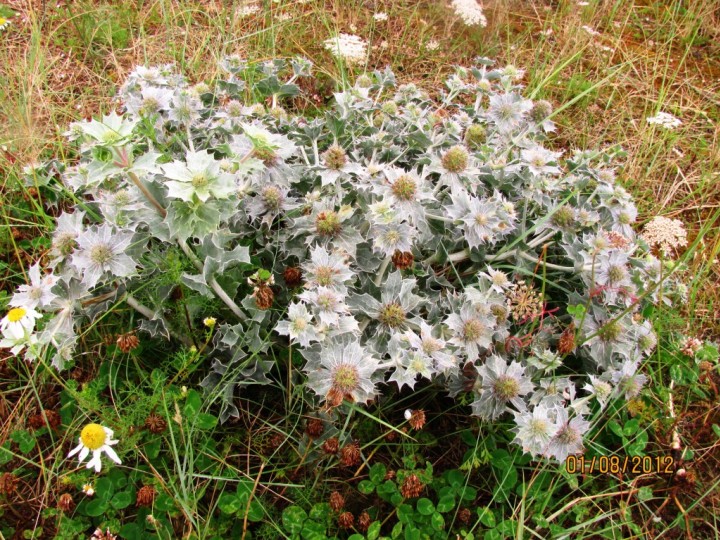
{"type": "Point", "coordinates": [146, 496]}
{"type": "Point", "coordinates": [337, 501]}
{"type": "Point", "coordinates": [264, 297]}
{"type": "Point", "coordinates": [411, 487]}
{"type": "Point", "coordinates": [690, 345]}
{"type": "Point", "coordinates": [417, 419]}
{"type": "Point", "coordinates": [292, 276]}
{"type": "Point", "coordinates": [37, 421]}
{"type": "Point", "coordinates": [128, 342]}
{"type": "Point", "coordinates": [363, 522]}
{"type": "Point", "coordinates": [566, 343]}
{"type": "Point", "coordinates": [524, 302]}
{"type": "Point", "coordinates": [346, 520]}
{"type": "Point", "coordinates": [100, 535]}
{"type": "Point", "coordinates": [155, 423]}
{"type": "Point", "coordinates": [276, 441]}
{"type": "Point", "coordinates": [350, 454]}
{"type": "Point", "coordinates": [8, 483]}
{"type": "Point", "coordinates": [66, 503]}
{"type": "Point", "coordinates": [331, 446]}
{"type": "Point", "coordinates": [403, 259]}
{"type": "Point", "coordinates": [464, 516]}
{"type": "Point", "coordinates": [314, 427]}
{"type": "Point", "coordinates": [618, 240]}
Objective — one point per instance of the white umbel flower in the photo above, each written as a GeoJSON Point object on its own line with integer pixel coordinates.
{"type": "Point", "coordinates": [470, 12]}
{"type": "Point", "coordinates": [96, 439]}
{"type": "Point", "coordinates": [665, 233]}
{"type": "Point", "coordinates": [351, 48]}
{"type": "Point", "coordinates": [665, 120]}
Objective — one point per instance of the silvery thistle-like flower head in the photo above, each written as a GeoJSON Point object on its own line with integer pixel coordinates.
{"type": "Point", "coordinates": [397, 302]}
{"type": "Point", "coordinates": [568, 437]}
{"type": "Point", "coordinates": [431, 346]}
{"type": "Point", "coordinates": [38, 293]}
{"type": "Point", "coordinates": [627, 380]}
{"type": "Point", "coordinates": [151, 100]}
{"type": "Point", "coordinates": [328, 304]}
{"type": "Point", "coordinates": [185, 108]}
{"type": "Point", "coordinates": [327, 269]}
{"type": "Point", "coordinates": [497, 279]}
{"type": "Point", "coordinates": [329, 227]}
{"type": "Point", "coordinates": [508, 111]}
{"type": "Point", "coordinates": [392, 237]}
{"type": "Point", "coordinates": [123, 208]}
{"type": "Point", "coordinates": [501, 384]}
{"type": "Point", "coordinates": [552, 392]}
{"type": "Point", "coordinates": [406, 191]}
{"type": "Point", "coordinates": [608, 336]}
{"type": "Point", "coordinates": [470, 330]}
{"type": "Point", "coordinates": [534, 430]}
{"type": "Point", "coordinates": [336, 165]}
{"type": "Point", "coordinates": [599, 388]}
{"type": "Point", "coordinates": [624, 217]}
{"type": "Point", "coordinates": [409, 363]}
{"type": "Point", "coordinates": [113, 130]}
{"type": "Point", "coordinates": [479, 217]}
{"type": "Point", "coordinates": [538, 160]}
{"type": "Point", "coordinates": [612, 269]}
{"type": "Point", "coordinates": [644, 338]}
{"type": "Point", "coordinates": [344, 370]}
{"type": "Point", "coordinates": [101, 251]}
{"type": "Point", "coordinates": [270, 201]}
{"type": "Point", "coordinates": [198, 179]}
{"type": "Point", "coordinates": [298, 325]}
{"type": "Point", "coordinates": [456, 166]}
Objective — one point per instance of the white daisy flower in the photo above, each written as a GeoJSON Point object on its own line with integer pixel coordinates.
{"type": "Point", "coordinates": [96, 439]}
{"type": "Point", "coordinates": [19, 322]}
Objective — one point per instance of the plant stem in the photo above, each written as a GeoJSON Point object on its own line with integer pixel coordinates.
{"type": "Point", "coordinates": [149, 196]}
{"type": "Point", "coordinates": [381, 272]}
{"type": "Point", "coordinates": [148, 314]}
{"type": "Point", "coordinates": [213, 282]}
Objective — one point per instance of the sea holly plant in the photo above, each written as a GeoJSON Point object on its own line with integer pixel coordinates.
{"type": "Point", "coordinates": [393, 241]}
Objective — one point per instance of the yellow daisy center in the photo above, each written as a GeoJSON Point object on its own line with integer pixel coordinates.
{"type": "Point", "coordinates": [93, 436]}
{"type": "Point", "coordinates": [16, 314]}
